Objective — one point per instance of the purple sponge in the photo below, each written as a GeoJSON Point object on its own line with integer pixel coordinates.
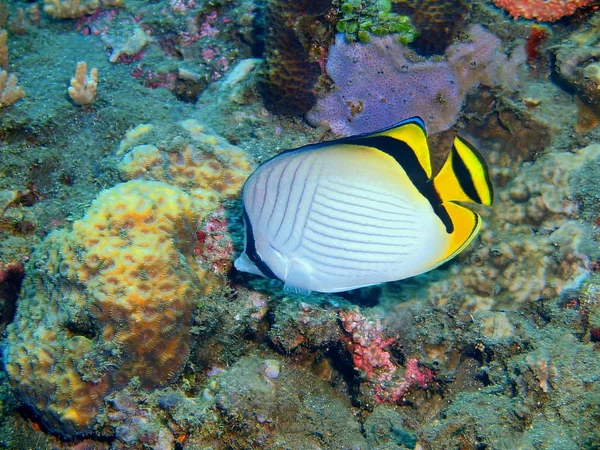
{"type": "Point", "coordinates": [378, 85]}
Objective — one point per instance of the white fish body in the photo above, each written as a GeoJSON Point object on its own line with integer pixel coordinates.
{"type": "Point", "coordinates": [339, 216]}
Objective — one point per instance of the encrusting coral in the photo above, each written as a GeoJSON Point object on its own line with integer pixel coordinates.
{"type": "Point", "coordinates": [541, 10]}
{"type": "Point", "coordinates": [293, 31]}
{"type": "Point", "coordinates": [110, 300]}
{"type": "Point", "coordinates": [70, 9]}
{"type": "Point", "coordinates": [188, 156]}
{"type": "Point", "coordinates": [83, 88]}
{"type": "Point", "coordinates": [203, 165]}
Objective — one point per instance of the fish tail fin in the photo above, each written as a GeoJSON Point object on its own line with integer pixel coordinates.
{"type": "Point", "coordinates": [464, 176]}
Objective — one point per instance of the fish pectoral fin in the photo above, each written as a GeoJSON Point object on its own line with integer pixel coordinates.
{"type": "Point", "coordinates": [243, 264]}
{"type": "Point", "coordinates": [466, 226]}
{"type": "Point", "coordinates": [298, 277]}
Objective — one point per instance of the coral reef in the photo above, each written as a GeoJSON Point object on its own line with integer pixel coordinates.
{"type": "Point", "coordinates": [206, 167]}
{"type": "Point", "coordinates": [83, 88]}
{"type": "Point", "coordinates": [577, 63]}
{"type": "Point", "coordinates": [186, 155]}
{"type": "Point", "coordinates": [294, 33]}
{"type": "Point", "coordinates": [366, 342]}
{"type": "Point", "coordinates": [147, 339]}
{"type": "Point", "coordinates": [125, 41]}
{"type": "Point", "coordinates": [438, 22]}
{"type": "Point", "coordinates": [555, 380]}
{"type": "Point", "coordinates": [269, 404]}
{"type": "Point", "coordinates": [531, 247]}
{"type": "Point", "coordinates": [360, 19]}
{"type": "Point", "coordinates": [3, 50]}
{"type": "Point", "coordinates": [70, 9]}
{"type": "Point", "coordinates": [10, 92]}
{"type": "Point", "coordinates": [105, 302]}
{"type": "Point", "coordinates": [541, 10]}
{"type": "Point", "coordinates": [378, 83]}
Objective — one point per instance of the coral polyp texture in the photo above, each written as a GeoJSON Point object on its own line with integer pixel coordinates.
{"type": "Point", "coordinates": [189, 156]}
{"type": "Point", "coordinates": [438, 21]}
{"type": "Point", "coordinates": [361, 19]}
{"type": "Point", "coordinates": [541, 10]}
{"type": "Point", "coordinates": [110, 300]}
{"type": "Point", "coordinates": [292, 31]}
{"type": "Point", "coordinates": [378, 83]}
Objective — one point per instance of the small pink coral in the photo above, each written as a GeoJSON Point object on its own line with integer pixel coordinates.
{"type": "Point", "coordinates": [366, 341]}
{"type": "Point", "coordinates": [215, 247]}
{"type": "Point", "coordinates": [367, 344]}
{"type": "Point", "coordinates": [207, 28]}
{"type": "Point", "coordinates": [182, 6]}
{"type": "Point", "coordinates": [416, 376]}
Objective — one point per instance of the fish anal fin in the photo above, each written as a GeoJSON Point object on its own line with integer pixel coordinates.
{"type": "Point", "coordinates": [299, 277]}
{"type": "Point", "coordinates": [293, 289]}
{"type": "Point", "coordinates": [466, 226]}
{"type": "Point", "coordinates": [464, 176]}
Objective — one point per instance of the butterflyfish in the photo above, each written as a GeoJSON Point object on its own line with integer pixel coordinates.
{"type": "Point", "coordinates": [361, 210]}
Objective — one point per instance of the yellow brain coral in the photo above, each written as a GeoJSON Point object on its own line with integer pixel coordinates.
{"type": "Point", "coordinates": [204, 165]}
{"type": "Point", "coordinates": [108, 301]}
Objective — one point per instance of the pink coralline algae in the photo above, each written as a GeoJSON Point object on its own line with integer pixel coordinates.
{"type": "Point", "coordinates": [378, 84]}
{"type": "Point", "coordinates": [215, 248]}
{"type": "Point", "coordinates": [416, 376]}
{"type": "Point", "coordinates": [366, 342]}
{"type": "Point", "coordinates": [182, 6]}
{"type": "Point", "coordinates": [208, 28]}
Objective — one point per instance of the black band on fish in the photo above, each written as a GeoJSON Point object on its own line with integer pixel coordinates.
{"type": "Point", "coordinates": [406, 158]}
{"type": "Point", "coordinates": [251, 250]}
{"type": "Point", "coordinates": [464, 175]}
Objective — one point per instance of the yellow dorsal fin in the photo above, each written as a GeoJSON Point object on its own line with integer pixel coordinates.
{"type": "Point", "coordinates": [464, 176]}
{"type": "Point", "coordinates": [412, 132]}
{"type": "Point", "coordinates": [466, 226]}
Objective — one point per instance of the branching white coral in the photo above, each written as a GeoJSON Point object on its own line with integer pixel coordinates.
{"type": "Point", "coordinates": [83, 88]}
